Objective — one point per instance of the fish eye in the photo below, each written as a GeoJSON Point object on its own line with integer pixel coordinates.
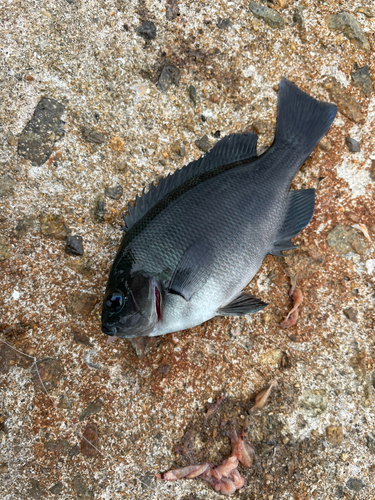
{"type": "Point", "coordinates": [115, 301]}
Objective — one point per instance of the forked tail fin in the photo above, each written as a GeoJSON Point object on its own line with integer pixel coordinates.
{"type": "Point", "coordinates": [301, 119]}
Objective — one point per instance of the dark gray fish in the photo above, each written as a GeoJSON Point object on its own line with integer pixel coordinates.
{"type": "Point", "coordinates": [197, 239]}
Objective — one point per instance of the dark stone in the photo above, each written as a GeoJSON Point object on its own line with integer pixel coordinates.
{"type": "Point", "coordinates": [339, 492]}
{"type": "Point", "coordinates": [23, 226]}
{"type": "Point", "coordinates": [147, 30]}
{"type": "Point", "coordinates": [56, 489]}
{"type": "Point", "coordinates": [92, 136]}
{"type": "Point", "coordinates": [170, 75]}
{"type": "Point", "coordinates": [298, 18]}
{"type": "Point", "coordinates": [370, 443]}
{"type": "Point", "coordinates": [347, 105]}
{"type": "Point", "coordinates": [93, 408]}
{"type": "Point", "coordinates": [53, 226]}
{"type": "Point", "coordinates": [74, 245]}
{"type": "Point", "coordinates": [80, 487]}
{"type": "Point", "coordinates": [60, 446]}
{"type": "Point", "coordinates": [351, 314]}
{"type": "Point", "coordinates": [223, 23]}
{"type": "Point", "coordinates": [99, 210]}
{"type": "Point", "coordinates": [90, 436]}
{"type": "Point", "coordinates": [192, 94]}
{"type": "Point", "coordinates": [269, 16]}
{"type": "Point", "coordinates": [355, 484]}
{"type": "Point", "coordinates": [114, 192]}
{"type": "Point", "coordinates": [172, 10]}
{"type": "Point", "coordinates": [344, 240]}
{"type": "Point", "coordinates": [203, 143]}
{"type": "Point", "coordinates": [81, 339]}
{"type": "Point", "coordinates": [82, 303]}
{"type": "Point", "coordinates": [74, 451]}
{"type": "Point", "coordinates": [9, 357]}
{"type": "Point", "coordinates": [217, 134]}
{"type": "Point", "coordinates": [352, 144]}
{"type": "Point", "coordinates": [50, 372]}
{"type": "Point", "coordinates": [350, 27]}
{"type": "Point", "coordinates": [7, 184]}
{"type": "Point", "coordinates": [43, 130]}
{"type": "Point", "coordinates": [164, 369]}
{"type": "Point", "coordinates": [362, 79]}
{"type": "Point", "coordinates": [35, 490]}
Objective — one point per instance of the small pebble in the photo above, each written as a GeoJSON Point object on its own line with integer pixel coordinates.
{"type": "Point", "coordinates": [117, 144]}
{"type": "Point", "coordinates": [346, 104]}
{"type": "Point", "coordinates": [122, 165]}
{"type": "Point", "coordinates": [192, 94]}
{"type": "Point", "coordinates": [215, 98]}
{"type": "Point", "coordinates": [172, 10]}
{"type": "Point", "coordinates": [99, 210]}
{"type": "Point", "coordinates": [74, 245]}
{"type": "Point", "coordinates": [82, 303]}
{"type": "Point", "coordinates": [11, 140]}
{"type": "Point", "coordinates": [351, 314]}
{"type": "Point", "coordinates": [223, 23]}
{"type": "Point", "coordinates": [203, 143]}
{"type": "Point", "coordinates": [269, 16]}
{"type": "Point", "coordinates": [39, 136]}
{"type": "Point", "coordinates": [355, 484]}
{"type": "Point", "coordinates": [325, 144]}
{"type": "Point", "coordinates": [350, 27]}
{"type": "Point", "coordinates": [53, 226]}
{"type": "Point", "coordinates": [352, 144]}
{"type": "Point", "coordinates": [92, 136]}
{"type": "Point", "coordinates": [362, 79]}
{"type": "Point", "coordinates": [170, 75]}
{"type": "Point", "coordinates": [147, 30]}
{"type": "Point", "coordinates": [114, 192]}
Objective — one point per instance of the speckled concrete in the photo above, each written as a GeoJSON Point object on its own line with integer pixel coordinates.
{"type": "Point", "coordinates": [315, 439]}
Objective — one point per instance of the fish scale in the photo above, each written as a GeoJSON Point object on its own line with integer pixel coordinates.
{"type": "Point", "coordinates": [193, 242]}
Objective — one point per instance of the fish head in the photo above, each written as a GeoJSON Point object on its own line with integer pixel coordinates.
{"type": "Point", "coordinates": [131, 307]}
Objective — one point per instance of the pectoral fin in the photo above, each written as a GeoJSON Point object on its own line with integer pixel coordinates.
{"type": "Point", "coordinates": [193, 269]}
{"type": "Point", "coordinates": [241, 305]}
{"type": "Point", "coordinates": [298, 212]}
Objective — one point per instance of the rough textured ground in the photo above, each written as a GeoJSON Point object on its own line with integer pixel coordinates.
{"type": "Point", "coordinates": [126, 123]}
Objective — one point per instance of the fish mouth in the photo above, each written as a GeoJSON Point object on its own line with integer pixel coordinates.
{"type": "Point", "coordinates": [109, 331]}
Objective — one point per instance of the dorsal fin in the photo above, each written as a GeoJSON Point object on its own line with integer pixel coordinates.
{"type": "Point", "coordinates": [231, 149]}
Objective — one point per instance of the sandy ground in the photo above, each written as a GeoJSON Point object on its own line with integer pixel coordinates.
{"type": "Point", "coordinates": [113, 124]}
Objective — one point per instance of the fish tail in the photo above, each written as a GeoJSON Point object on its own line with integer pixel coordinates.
{"type": "Point", "coordinates": [301, 120]}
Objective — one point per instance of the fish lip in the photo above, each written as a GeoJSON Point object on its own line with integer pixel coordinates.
{"type": "Point", "coordinates": [109, 331]}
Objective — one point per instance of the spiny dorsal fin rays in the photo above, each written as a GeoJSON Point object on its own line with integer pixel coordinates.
{"type": "Point", "coordinates": [232, 148]}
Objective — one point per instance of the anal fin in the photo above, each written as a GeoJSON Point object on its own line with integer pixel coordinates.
{"type": "Point", "coordinates": [241, 305]}
{"type": "Point", "coordinates": [298, 212]}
